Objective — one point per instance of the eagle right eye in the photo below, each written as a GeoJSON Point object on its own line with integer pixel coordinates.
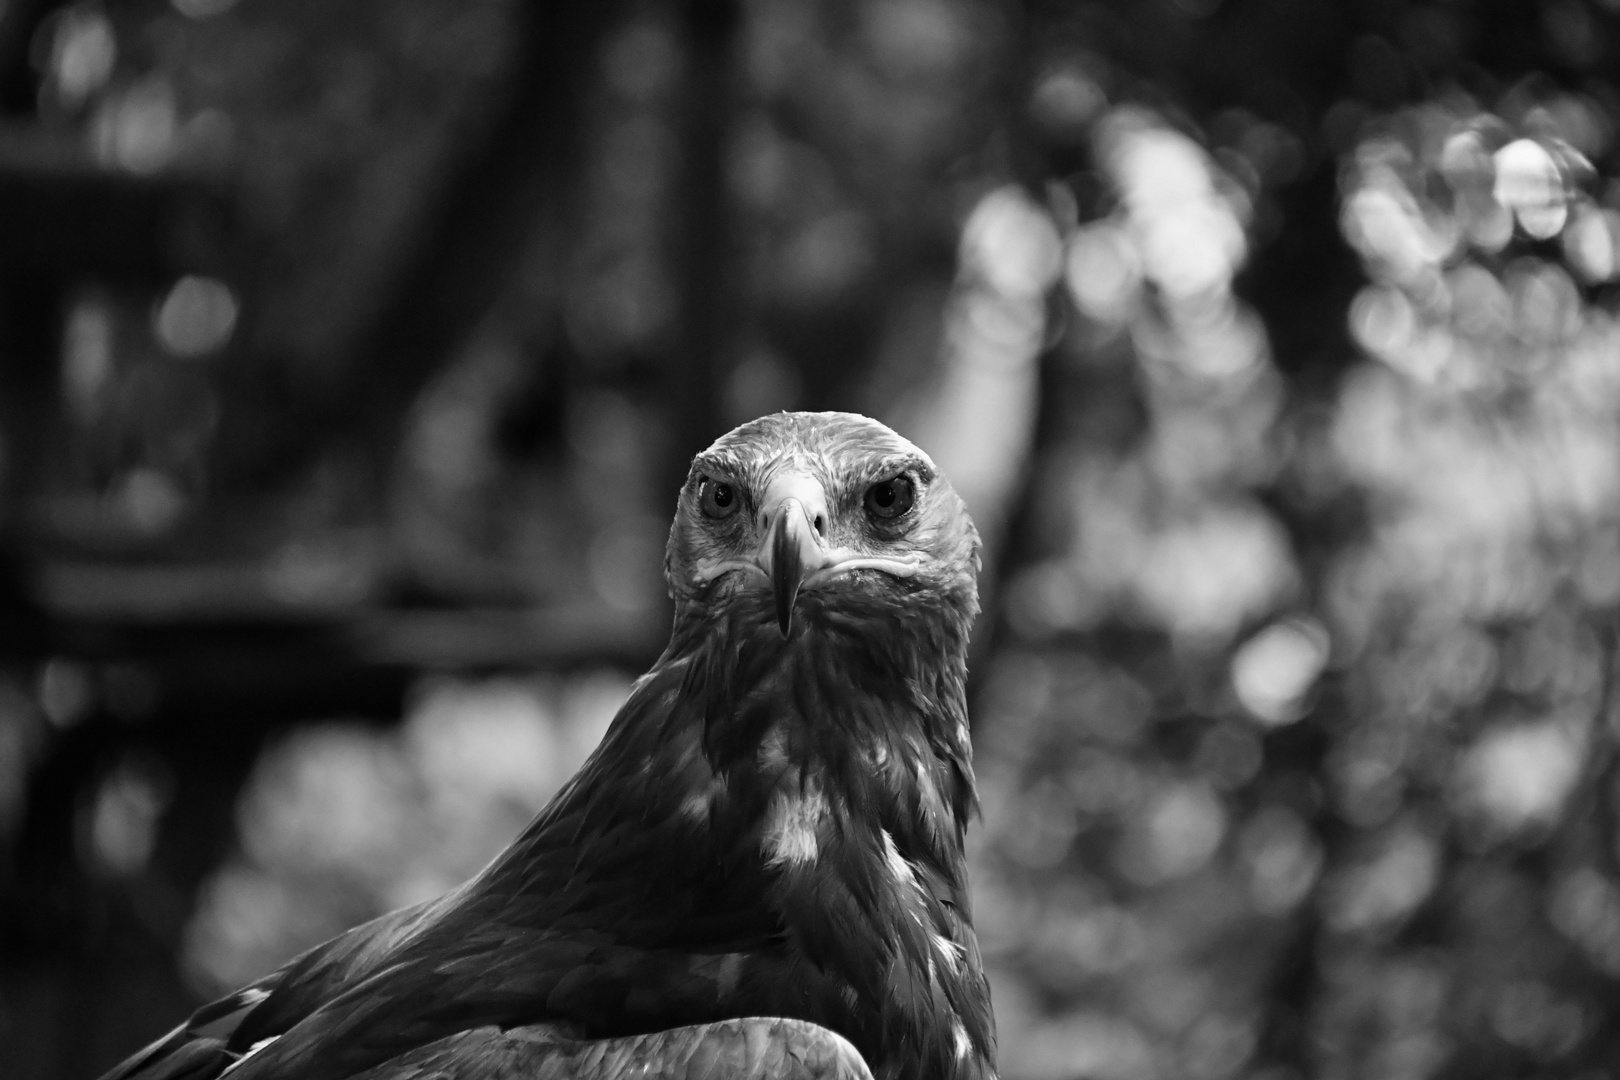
{"type": "Point", "coordinates": [718, 498]}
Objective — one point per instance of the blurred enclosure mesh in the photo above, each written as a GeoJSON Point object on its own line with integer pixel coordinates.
{"type": "Point", "coordinates": [351, 355]}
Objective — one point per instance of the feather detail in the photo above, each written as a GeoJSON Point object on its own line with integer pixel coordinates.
{"type": "Point", "coordinates": [755, 1048]}
{"type": "Point", "coordinates": [791, 834]}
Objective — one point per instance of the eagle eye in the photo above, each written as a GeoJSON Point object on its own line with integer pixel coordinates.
{"type": "Point", "coordinates": [891, 498]}
{"type": "Point", "coordinates": [717, 498]}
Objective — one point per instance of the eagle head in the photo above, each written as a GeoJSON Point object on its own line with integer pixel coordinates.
{"type": "Point", "coordinates": [803, 517]}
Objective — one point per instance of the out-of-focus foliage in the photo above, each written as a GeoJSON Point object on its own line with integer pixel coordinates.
{"type": "Point", "coordinates": [1297, 753]}
{"type": "Point", "coordinates": [332, 129]}
{"type": "Point", "coordinates": [342, 822]}
{"type": "Point", "coordinates": [1130, 902]}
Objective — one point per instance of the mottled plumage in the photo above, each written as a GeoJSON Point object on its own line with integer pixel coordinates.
{"type": "Point", "coordinates": [772, 826]}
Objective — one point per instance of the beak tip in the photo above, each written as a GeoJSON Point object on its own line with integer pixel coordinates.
{"type": "Point", "coordinates": [787, 592]}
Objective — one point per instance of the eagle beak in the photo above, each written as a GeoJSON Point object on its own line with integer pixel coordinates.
{"type": "Point", "coordinates": [796, 512]}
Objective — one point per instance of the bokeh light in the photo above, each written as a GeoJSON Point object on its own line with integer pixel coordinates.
{"type": "Point", "coordinates": [196, 317]}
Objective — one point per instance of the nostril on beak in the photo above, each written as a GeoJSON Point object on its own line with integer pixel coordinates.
{"type": "Point", "coordinates": [821, 526]}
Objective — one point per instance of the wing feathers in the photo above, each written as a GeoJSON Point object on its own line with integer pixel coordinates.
{"type": "Point", "coordinates": [754, 1048]}
{"type": "Point", "coordinates": [180, 1055]}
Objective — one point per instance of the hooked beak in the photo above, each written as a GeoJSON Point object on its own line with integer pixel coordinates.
{"type": "Point", "coordinates": [792, 549]}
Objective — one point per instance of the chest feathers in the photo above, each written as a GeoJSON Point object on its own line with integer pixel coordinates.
{"type": "Point", "coordinates": [852, 772]}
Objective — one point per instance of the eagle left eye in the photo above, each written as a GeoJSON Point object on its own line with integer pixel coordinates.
{"type": "Point", "coordinates": [889, 499]}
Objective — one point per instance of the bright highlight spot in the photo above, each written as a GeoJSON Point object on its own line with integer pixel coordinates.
{"type": "Point", "coordinates": [124, 818]}
{"type": "Point", "coordinates": [1276, 668]}
{"type": "Point", "coordinates": [1592, 244]}
{"type": "Point", "coordinates": [1190, 240]}
{"type": "Point", "coordinates": [1529, 182]}
{"type": "Point", "coordinates": [196, 317]}
{"type": "Point", "coordinates": [138, 130]}
{"type": "Point", "coordinates": [1012, 243]}
{"type": "Point", "coordinates": [1521, 775]}
{"type": "Point", "coordinates": [1103, 272]}
{"type": "Point", "coordinates": [83, 53]}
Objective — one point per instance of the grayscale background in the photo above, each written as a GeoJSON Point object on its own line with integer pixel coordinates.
{"type": "Point", "coordinates": [351, 354]}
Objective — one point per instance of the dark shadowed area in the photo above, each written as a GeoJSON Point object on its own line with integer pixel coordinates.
{"type": "Point", "coordinates": [351, 356]}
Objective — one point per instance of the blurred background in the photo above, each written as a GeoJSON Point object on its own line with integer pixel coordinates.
{"type": "Point", "coordinates": [351, 356]}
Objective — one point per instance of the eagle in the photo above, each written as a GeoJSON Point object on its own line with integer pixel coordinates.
{"type": "Point", "coordinates": [760, 870]}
